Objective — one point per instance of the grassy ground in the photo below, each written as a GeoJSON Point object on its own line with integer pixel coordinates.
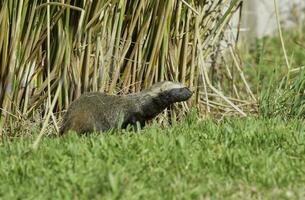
{"type": "Point", "coordinates": [236, 159]}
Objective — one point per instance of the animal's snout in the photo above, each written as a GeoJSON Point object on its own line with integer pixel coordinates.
{"type": "Point", "coordinates": [185, 93]}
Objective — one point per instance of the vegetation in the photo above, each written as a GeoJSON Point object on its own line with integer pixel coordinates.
{"type": "Point", "coordinates": [280, 91]}
{"type": "Point", "coordinates": [52, 52]}
{"type": "Point", "coordinates": [235, 159]}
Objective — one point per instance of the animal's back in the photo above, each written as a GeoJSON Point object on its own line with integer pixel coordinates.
{"type": "Point", "coordinates": [93, 112]}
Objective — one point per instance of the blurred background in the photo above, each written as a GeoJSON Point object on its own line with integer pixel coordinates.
{"type": "Point", "coordinates": [259, 17]}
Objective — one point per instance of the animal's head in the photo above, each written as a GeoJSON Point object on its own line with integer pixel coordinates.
{"type": "Point", "coordinates": [173, 92]}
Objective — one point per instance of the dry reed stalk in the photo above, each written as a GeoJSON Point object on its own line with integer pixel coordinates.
{"type": "Point", "coordinates": [51, 52]}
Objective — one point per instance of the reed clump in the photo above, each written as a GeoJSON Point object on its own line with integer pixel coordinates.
{"type": "Point", "coordinates": [53, 51]}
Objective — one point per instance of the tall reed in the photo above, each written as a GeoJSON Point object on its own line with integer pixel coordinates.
{"type": "Point", "coordinates": [52, 52]}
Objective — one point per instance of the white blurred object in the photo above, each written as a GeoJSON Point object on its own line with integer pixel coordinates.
{"type": "Point", "coordinates": [259, 16]}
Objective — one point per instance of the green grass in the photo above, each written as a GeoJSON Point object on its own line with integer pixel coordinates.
{"type": "Point", "coordinates": [281, 94]}
{"type": "Point", "coordinates": [235, 159]}
{"type": "Point", "coordinates": [265, 61]}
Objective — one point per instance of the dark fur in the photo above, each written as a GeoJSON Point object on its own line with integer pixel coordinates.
{"type": "Point", "coordinates": [100, 112]}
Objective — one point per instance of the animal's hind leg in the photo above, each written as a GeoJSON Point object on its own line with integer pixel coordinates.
{"type": "Point", "coordinates": [83, 123]}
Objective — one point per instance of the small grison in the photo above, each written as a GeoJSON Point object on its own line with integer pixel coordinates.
{"type": "Point", "coordinates": [96, 111]}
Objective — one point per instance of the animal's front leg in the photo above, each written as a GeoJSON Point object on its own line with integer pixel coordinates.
{"type": "Point", "coordinates": [134, 121]}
